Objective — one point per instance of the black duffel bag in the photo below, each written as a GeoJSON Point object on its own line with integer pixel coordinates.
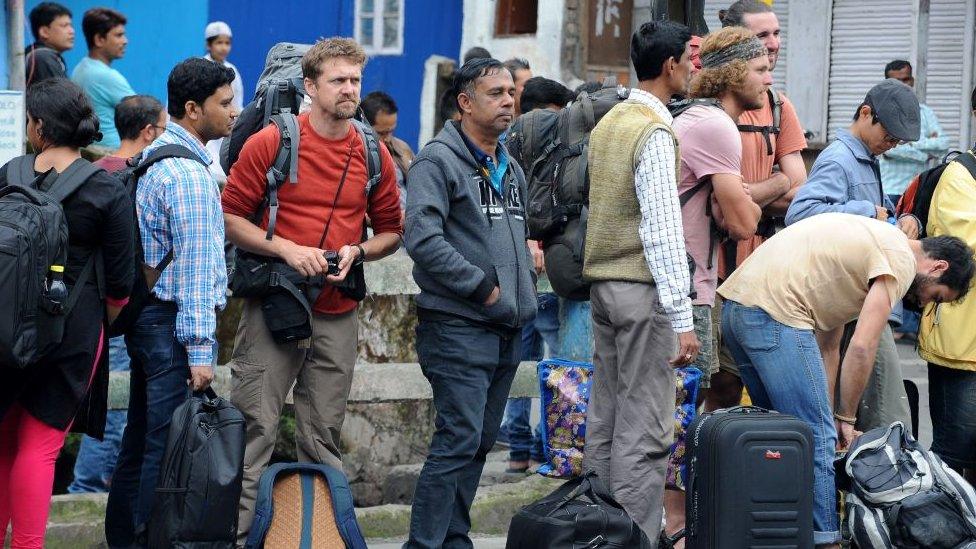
{"type": "Point", "coordinates": [286, 296]}
{"type": "Point", "coordinates": [199, 485]}
{"type": "Point", "coordinates": [580, 514]}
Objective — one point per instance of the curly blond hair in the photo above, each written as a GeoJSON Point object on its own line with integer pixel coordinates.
{"type": "Point", "coordinates": [330, 48]}
{"type": "Point", "coordinates": [715, 81]}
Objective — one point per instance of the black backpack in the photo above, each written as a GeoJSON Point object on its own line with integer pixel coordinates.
{"type": "Point", "coordinates": [552, 149]}
{"type": "Point", "coordinates": [145, 276]}
{"type": "Point", "coordinates": [199, 483]}
{"type": "Point", "coordinates": [33, 253]}
{"type": "Point", "coordinates": [580, 514]}
{"type": "Point", "coordinates": [558, 182]}
{"type": "Point", "coordinates": [917, 198]}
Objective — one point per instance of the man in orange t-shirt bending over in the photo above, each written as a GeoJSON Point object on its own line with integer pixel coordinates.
{"type": "Point", "coordinates": [763, 149]}
{"type": "Point", "coordinates": [325, 209]}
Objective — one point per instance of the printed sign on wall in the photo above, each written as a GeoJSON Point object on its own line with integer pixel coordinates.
{"type": "Point", "coordinates": [12, 122]}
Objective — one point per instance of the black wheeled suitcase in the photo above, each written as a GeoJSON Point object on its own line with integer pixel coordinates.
{"type": "Point", "coordinates": [750, 481]}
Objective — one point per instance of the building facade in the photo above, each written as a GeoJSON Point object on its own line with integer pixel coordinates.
{"type": "Point", "coordinates": [398, 41]}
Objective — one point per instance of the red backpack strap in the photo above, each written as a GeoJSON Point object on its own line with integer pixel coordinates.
{"type": "Point", "coordinates": [906, 204]}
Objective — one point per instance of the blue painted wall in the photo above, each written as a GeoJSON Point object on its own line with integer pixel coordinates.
{"type": "Point", "coordinates": [430, 27]}
{"type": "Point", "coordinates": [160, 35]}
{"type": "Point", "coordinates": [4, 79]}
{"type": "Point", "coordinates": [164, 33]}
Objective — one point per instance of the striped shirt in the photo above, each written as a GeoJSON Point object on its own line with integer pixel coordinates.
{"type": "Point", "coordinates": [178, 206]}
{"type": "Point", "coordinates": [660, 229]}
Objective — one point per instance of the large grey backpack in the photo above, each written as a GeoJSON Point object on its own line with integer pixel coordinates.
{"type": "Point", "coordinates": [33, 254]}
{"type": "Point", "coordinates": [554, 158]}
{"type": "Point", "coordinates": [905, 496]}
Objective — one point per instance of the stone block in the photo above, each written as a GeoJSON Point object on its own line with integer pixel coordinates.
{"type": "Point", "coordinates": [378, 436]}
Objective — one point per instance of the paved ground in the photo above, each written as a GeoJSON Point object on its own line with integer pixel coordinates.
{"type": "Point", "coordinates": [479, 543]}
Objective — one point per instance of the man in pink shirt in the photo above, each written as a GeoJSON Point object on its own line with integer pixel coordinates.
{"type": "Point", "coordinates": [734, 79]}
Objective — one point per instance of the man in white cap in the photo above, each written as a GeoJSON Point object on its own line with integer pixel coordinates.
{"type": "Point", "coordinates": [218, 36]}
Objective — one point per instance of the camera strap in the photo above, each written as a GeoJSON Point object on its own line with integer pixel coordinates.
{"type": "Point", "coordinates": [342, 181]}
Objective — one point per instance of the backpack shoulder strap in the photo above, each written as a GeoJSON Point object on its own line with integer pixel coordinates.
{"type": "Point", "coordinates": [285, 165]}
{"type": "Point", "coordinates": [20, 170]}
{"type": "Point", "coordinates": [343, 508]}
{"type": "Point", "coordinates": [73, 177]}
{"type": "Point", "coordinates": [776, 102]}
{"type": "Point", "coordinates": [969, 161]}
{"type": "Point", "coordinates": [288, 143]}
{"type": "Point", "coordinates": [374, 161]}
{"type": "Point", "coordinates": [166, 151]}
{"type": "Point", "coordinates": [684, 197]}
{"type": "Point", "coordinates": [264, 506]}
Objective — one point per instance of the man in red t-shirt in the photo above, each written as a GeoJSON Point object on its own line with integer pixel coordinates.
{"type": "Point", "coordinates": [263, 371]}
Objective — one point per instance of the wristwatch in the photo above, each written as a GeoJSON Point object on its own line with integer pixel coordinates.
{"type": "Point", "coordinates": [361, 258]}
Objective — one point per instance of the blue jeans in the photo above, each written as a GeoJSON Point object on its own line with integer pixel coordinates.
{"type": "Point", "coordinates": [783, 370]}
{"type": "Point", "coordinates": [526, 443]}
{"type": "Point", "coordinates": [96, 459]}
{"type": "Point", "coordinates": [157, 386]}
{"type": "Point", "coordinates": [470, 370]}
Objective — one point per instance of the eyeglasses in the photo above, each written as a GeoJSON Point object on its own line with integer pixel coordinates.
{"type": "Point", "coordinates": [887, 136]}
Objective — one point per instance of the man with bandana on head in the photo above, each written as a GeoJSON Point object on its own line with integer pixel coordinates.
{"type": "Point", "coordinates": [734, 79]}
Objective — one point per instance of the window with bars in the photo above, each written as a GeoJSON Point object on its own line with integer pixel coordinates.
{"type": "Point", "coordinates": [379, 26]}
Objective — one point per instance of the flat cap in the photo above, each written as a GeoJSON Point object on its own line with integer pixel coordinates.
{"type": "Point", "coordinates": [897, 109]}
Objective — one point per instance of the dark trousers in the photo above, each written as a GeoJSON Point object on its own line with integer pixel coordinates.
{"type": "Point", "coordinates": [470, 369]}
{"type": "Point", "coordinates": [157, 385]}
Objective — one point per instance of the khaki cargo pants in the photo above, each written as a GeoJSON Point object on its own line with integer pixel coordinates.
{"type": "Point", "coordinates": [263, 373]}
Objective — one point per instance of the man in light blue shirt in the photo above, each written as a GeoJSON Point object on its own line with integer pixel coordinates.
{"type": "Point", "coordinates": [902, 163]}
{"type": "Point", "coordinates": [105, 34]}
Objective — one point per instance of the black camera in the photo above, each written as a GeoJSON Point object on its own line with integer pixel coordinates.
{"type": "Point", "coordinates": [332, 258]}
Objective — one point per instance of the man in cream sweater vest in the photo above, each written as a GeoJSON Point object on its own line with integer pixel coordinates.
{"type": "Point", "coordinates": [635, 257]}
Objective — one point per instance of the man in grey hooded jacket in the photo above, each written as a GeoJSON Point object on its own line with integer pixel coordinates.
{"type": "Point", "coordinates": [465, 230]}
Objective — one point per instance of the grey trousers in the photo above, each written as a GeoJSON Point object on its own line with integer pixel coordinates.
{"type": "Point", "coordinates": [884, 400]}
{"type": "Point", "coordinates": [262, 374]}
{"type": "Point", "coordinates": [630, 417]}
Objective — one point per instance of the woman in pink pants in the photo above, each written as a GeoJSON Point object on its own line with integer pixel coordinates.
{"type": "Point", "coordinates": [40, 403]}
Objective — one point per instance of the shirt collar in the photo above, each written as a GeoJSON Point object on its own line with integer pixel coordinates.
{"type": "Point", "coordinates": [184, 137]}
{"type": "Point", "coordinates": [479, 155]}
{"type": "Point", "coordinates": [856, 146]}
{"type": "Point", "coordinates": [653, 102]}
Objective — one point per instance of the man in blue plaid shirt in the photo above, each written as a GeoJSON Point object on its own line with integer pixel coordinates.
{"type": "Point", "coordinates": [178, 207]}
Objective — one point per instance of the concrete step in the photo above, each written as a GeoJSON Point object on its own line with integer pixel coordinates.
{"type": "Point", "coordinates": [402, 479]}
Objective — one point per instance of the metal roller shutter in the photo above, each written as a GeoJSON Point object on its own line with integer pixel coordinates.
{"type": "Point", "coordinates": [782, 9]}
{"type": "Point", "coordinates": [865, 36]}
{"type": "Point", "coordinates": [946, 91]}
